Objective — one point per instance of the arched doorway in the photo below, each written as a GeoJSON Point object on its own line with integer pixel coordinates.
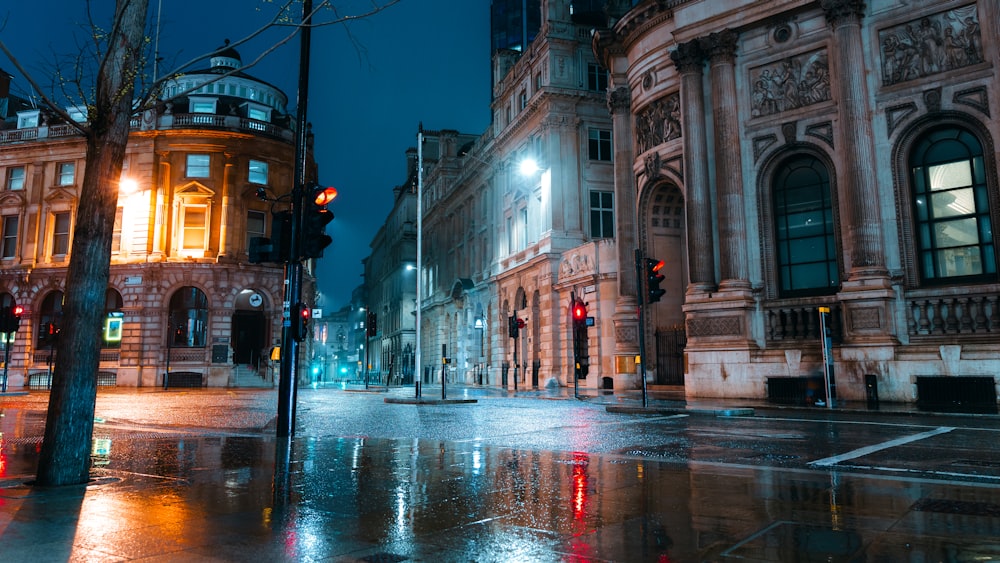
{"type": "Point", "coordinates": [249, 329]}
{"type": "Point", "coordinates": [665, 239]}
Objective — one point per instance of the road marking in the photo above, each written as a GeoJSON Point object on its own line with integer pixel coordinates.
{"type": "Point", "coordinates": [878, 447]}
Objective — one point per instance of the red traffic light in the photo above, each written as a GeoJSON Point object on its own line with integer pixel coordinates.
{"type": "Point", "coordinates": [579, 311]}
{"type": "Point", "coordinates": [18, 310]}
{"type": "Point", "coordinates": [323, 196]}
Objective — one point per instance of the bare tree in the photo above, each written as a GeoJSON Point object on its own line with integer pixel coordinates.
{"type": "Point", "coordinates": [119, 90]}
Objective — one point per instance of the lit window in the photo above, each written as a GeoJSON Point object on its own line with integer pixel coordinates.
{"type": "Point", "coordinates": [602, 214]}
{"type": "Point", "coordinates": [804, 229]}
{"type": "Point", "coordinates": [258, 172]}
{"type": "Point", "coordinates": [952, 207]}
{"type": "Point", "coordinates": [198, 166]}
{"type": "Point", "coordinates": [60, 233]}
{"type": "Point", "coordinates": [257, 113]}
{"type": "Point", "coordinates": [67, 173]}
{"type": "Point", "coordinates": [15, 178]}
{"type": "Point", "coordinates": [202, 106]}
{"type": "Point", "coordinates": [27, 119]}
{"type": "Point", "coordinates": [194, 218]}
{"type": "Point", "coordinates": [9, 246]}
{"type": "Point", "coordinates": [116, 232]}
{"type": "Point", "coordinates": [599, 145]}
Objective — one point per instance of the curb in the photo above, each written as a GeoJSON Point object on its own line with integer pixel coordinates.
{"type": "Point", "coordinates": [738, 411]}
{"type": "Point", "coordinates": [401, 401]}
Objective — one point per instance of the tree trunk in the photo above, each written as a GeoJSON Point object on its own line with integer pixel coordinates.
{"type": "Point", "coordinates": [65, 452]}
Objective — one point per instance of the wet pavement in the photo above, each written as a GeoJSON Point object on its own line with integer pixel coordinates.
{"type": "Point", "coordinates": [197, 475]}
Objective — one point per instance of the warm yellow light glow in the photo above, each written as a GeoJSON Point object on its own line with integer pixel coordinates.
{"type": "Point", "coordinates": [128, 186]}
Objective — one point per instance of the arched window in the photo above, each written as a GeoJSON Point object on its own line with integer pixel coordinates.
{"type": "Point", "coordinates": [188, 318]}
{"type": "Point", "coordinates": [804, 230]}
{"type": "Point", "coordinates": [951, 208]}
{"type": "Point", "coordinates": [50, 319]}
{"type": "Point", "coordinates": [111, 335]}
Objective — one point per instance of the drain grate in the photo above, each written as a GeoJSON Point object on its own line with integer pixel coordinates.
{"type": "Point", "coordinates": [964, 507]}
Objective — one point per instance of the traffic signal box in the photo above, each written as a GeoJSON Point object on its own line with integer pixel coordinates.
{"type": "Point", "coordinates": [581, 357]}
{"type": "Point", "coordinates": [300, 321]}
{"type": "Point", "coordinates": [10, 318]}
{"type": "Point", "coordinates": [653, 279]}
{"type": "Point", "coordinates": [371, 324]}
{"type": "Point", "coordinates": [315, 218]}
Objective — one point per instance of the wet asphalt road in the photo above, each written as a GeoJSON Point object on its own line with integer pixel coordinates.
{"type": "Point", "coordinates": [190, 475]}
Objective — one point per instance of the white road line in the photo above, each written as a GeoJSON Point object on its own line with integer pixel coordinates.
{"type": "Point", "coordinates": [877, 447]}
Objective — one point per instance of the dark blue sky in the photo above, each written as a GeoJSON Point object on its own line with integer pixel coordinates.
{"type": "Point", "coordinates": [419, 61]}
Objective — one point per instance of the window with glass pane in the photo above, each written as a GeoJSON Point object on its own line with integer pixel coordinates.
{"type": "Point", "coordinates": [255, 225]}
{"type": "Point", "coordinates": [258, 172]}
{"type": "Point", "coordinates": [15, 178]}
{"type": "Point", "coordinates": [804, 230]}
{"type": "Point", "coordinates": [116, 232]}
{"type": "Point", "coordinates": [597, 78]}
{"type": "Point", "coordinates": [67, 173]}
{"type": "Point", "coordinates": [195, 227]}
{"type": "Point", "coordinates": [256, 113]}
{"type": "Point", "coordinates": [60, 234]}
{"type": "Point", "coordinates": [602, 214]}
{"type": "Point", "coordinates": [198, 166]}
{"type": "Point", "coordinates": [9, 248]}
{"type": "Point", "coordinates": [951, 207]}
{"type": "Point", "coordinates": [188, 320]}
{"type": "Point", "coordinates": [599, 146]}
{"type": "Point", "coordinates": [203, 106]}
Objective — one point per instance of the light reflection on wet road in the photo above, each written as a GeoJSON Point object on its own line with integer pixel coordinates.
{"type": "Point", "coordinates": [191, 476]}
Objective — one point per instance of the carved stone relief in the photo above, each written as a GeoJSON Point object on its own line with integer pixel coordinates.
{"type": "Point", "coordinates": [659, 122]}
{"type": "Point", "coordinates": [790, 83]}
{"type": "Point", "coordinates": [715, 326]}
{"type": "Point", "coordinates": [935, 43]}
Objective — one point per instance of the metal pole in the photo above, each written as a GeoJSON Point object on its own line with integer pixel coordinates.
{"type": "Point", "coordinates": [576, 347]}
{"type": "Point", "coordinates": [420, 245]}
{"type": "Point", "coordinates": [6, 359]}
{"type": "Point", "coordinates": [170, 344]}
{"type": "Point", "coordinates": [642, 326]}
{"type": "Point", "coordinates": [293, 267]}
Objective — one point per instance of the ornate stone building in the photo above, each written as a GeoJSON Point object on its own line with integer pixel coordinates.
{"type": "Point", "coordinates": [792, 155]}
{"type": "Point", "coordinates": [182, 297]}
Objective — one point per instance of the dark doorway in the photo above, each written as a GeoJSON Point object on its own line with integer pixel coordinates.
{"type": "Point", "coordinates": [670, 355]}
{"type": "Point", "coordinates": [248, 337]}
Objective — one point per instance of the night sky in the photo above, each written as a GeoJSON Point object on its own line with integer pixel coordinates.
{"type": "Point", "coordinates": [418, 61]}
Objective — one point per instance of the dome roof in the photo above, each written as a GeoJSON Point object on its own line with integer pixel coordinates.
{"type": "Point", "coordinates": [226, 57]}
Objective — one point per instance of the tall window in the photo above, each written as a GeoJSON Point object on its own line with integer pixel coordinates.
{"type": "Point", "coordinates": [116, 231]}
{"type": "Point", "coordinates": [597, 78]}
{"type": "Point", "coordinates": [198, 166]}
{"type": "Point", "coordinates": [67, 174]}
{"type": "Point", "coordinates": [9, 246]}
{"type": "Point", "coordinates": [255, 225]}
{"type": "Point", "coordinates": [951, 207]}
{"type": "Point", "coordinates": [599, 145]}
{"type": "Point", "coordinates": [15, 178]}
{"type": "Point", "coordinates": [60, 233]}
{"type": "Point", "coordinates": [188, 320]}
{"type": "Point", "coordinates": [804, 230]}
{"type": "Point", "coordinates": [602, 214]}
{"type": "Point", "coordinates": [258, 172]}
{"type": "Point", "coordinates": [194, 218]}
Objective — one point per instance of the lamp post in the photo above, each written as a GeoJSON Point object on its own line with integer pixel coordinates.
{"type": "Point", "coordinates": [420, 250]}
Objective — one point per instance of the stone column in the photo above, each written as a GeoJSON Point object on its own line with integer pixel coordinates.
{"type": "Point", "coordinates": [856, 149]}
{"type": "Point", "coordinates": [721, 50]}
{"type": "Point", "coordinates": [228, 220]}
{"type": "Point", "coordinates": [625, 317]}
{"type": "Point", "coordinates": [689, 60]}
{"type": "Point", "coordinates": [160, 209]}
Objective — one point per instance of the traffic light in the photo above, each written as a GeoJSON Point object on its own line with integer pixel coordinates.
{"type": "Point", "coordinates": [371, 325]}
{"type": "Point", "coordinates": [10, 318]}
{"type": "Point", "coordinates": [315, 217]}
{"type": "Point", "coordinates": [653, 279]}
{"type": "Point", "coordinates": [300, 322]}
{"type": "Point", "coordinates": [579, 314]}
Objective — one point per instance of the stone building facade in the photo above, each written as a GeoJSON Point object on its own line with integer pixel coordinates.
{"type": "Point", "coordinates": [182, 298]}
{"type": "Point", "coordinates": [818, 154]}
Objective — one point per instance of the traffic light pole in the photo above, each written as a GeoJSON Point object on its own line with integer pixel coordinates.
{"type": "Point", "coordinates": [293, 266]}
{"type": "Point", "coordinates": [642, 322]}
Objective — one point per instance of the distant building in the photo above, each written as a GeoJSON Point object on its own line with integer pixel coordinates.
{"type": "Point", "coordinates": [182, 296]}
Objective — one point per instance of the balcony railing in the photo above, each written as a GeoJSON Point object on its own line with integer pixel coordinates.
{"type": "Point", "coordinates": [163, 122]}
{"type": "Point", "coordinates": [801, 322]}
{"type": "Point", "coordinates": [955, 314]}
